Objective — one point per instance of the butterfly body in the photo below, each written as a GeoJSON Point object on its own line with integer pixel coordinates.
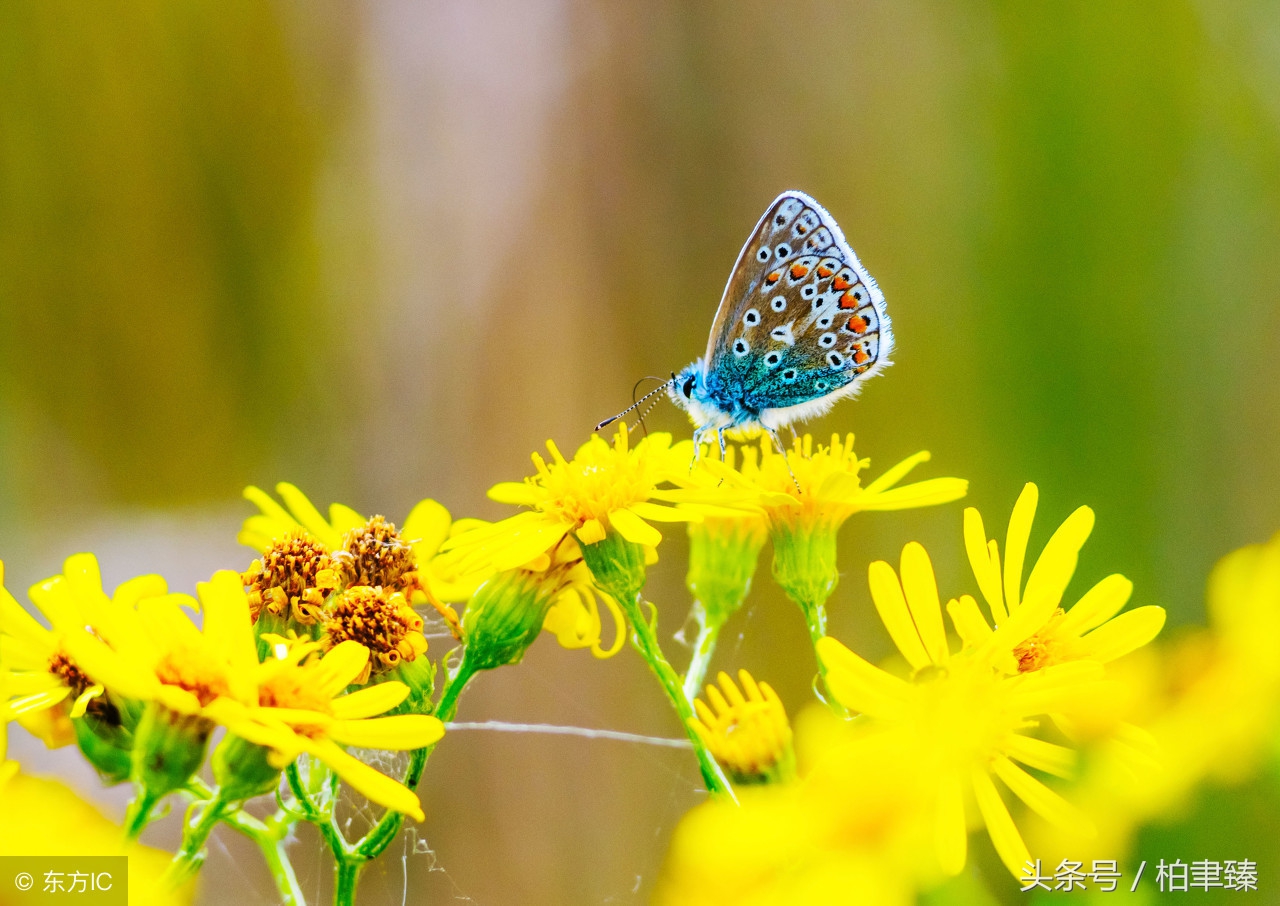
{"type": "Point", "coordinates": [801, 324]}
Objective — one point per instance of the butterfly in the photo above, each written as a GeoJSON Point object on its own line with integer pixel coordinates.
{"type": "Point", "coordinates": [801, 325]}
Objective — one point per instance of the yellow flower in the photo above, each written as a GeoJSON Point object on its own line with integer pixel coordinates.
{"type": "Point", "coordinates": [846, 836]}
{"type": "Point", "coordinates": [807, 495]}
{"type": "Point", "coordinates": [381, 621]}
{"type": "Point", "coordinates": [359, 551]}
{"type": "Point", "coordinates": [958, 723]}
{"type": "Point", "coordinates": [574, 619]}
{"type": "Point", "coordinates": [300, 708]}
{"type": "Point", "coordinates": [1209, 706]}
{"type": "Point", "coordinates": [830, 489]}
{"type": "Point", "coordinates": [604, 488]}
{"type": "Point", "coordinates": [746, 730]}
{"type": "Point", "coordinates": [153, 652]}
{"type": "Point", "coordinates": [45, 676]}
{"type": "Point", "coordinates": [1033, 631]}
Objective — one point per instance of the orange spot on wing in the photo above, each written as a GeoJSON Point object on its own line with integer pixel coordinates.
{"type": "Point", "coordinates": [848, 300]}
{"type": "Point", "coordinates": [802, 229]}
{"type": "Point", "coordinates": [859, 356]}
{"type": "Point", "coordinates": [857, 325]}
{"type": "Point", "coordinates": [823, 271]}
{"type": "Point", "coordinates": [840, 283]}
{"type": "Point", "coordinates": [773, 278]}
{"type": "Point", "coordinates": [798, 271]}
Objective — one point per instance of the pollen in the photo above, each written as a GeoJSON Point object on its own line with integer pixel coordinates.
{"type": "Point", "coordinates": [379, 620]}
{"type": "Point", "coordinates": [292, 579]}
{"type": "Point", "coordinates": [1038, 651]}
{"type": "Point", "coordinates": [65, 669]}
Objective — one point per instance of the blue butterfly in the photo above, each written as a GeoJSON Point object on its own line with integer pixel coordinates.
{"type": "Point", "coordinates": [801, 325]}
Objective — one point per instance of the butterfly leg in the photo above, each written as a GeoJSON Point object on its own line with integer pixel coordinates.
{"type": "Point", "coordinates": [720, 437]}
{"type": "Point", "coordinates": [777, 442]}
{"type": "Point", "coordinates": [697, 447]}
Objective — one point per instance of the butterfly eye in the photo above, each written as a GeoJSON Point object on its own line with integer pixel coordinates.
{"type": "Point", "coordinates": [779, 303]}
{"type": "Point", "coordinates": [740, 348]}
{"type": "Point", "coordinates": [783, 250]}
{"type": "Point", "coordinates": [762, 255]}
{"type": "Point", "coordinates": [687, 389]}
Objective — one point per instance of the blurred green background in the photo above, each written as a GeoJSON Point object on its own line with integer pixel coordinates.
{"type": "Point", "coordinates": [385, 250]}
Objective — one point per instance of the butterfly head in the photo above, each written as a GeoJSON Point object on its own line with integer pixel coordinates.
{"type": "Point", "coordinates": [689, 390]}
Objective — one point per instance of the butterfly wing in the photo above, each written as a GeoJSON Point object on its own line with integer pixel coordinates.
{"type": "Point", "coordinates": [801, 320]}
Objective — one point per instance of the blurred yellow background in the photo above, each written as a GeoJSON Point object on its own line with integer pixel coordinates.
{"type": "Point", "coordinates": [386, 250]}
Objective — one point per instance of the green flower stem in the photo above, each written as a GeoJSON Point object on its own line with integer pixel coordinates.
{"type": "Point", "coordinates": [704, 646]}
{"type": "Point", "coordinates": [139, 813]}
{"type": "Point", "coordinates": [804, 565]}
{"type": "Point", "coordinates": [269, 835]}
{"type": "Point", "coordinates": [195, 833]}
{"type": "Point", "coordinates": [344, 890]}
{"type": "Point", "coordinates": [645, 640]}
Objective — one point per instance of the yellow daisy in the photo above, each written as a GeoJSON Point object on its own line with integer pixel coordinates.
{"type": "Point", "coordinates": [155, 653]}
{"type": "Point", "coordinates": [806, 497]}
{"type": "Point", "coordinates": [1033, 631]}
{"type": "Point", "coordinates": [604, 488]}
{"type": "Point", "coordinates": [46, 684]}
{"type": "Point", "coordinates": [303, 551]}
{"type": "Point", "coordinates": [746, 729]}
{"type": "Point", "coordinates": [960, 724]}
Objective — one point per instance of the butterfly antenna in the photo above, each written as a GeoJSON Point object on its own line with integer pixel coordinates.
{"type": "Point", "coordinates": [663, 386]}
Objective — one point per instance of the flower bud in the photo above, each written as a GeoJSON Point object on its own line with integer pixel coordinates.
{"type": "Point", "coordinates": [505, 617]}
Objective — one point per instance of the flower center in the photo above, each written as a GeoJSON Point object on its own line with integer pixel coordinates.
{"type": "Point", "coordinates": [1037, 652]}
{"type": "Point", "coordinates": [194, 670]}
{"type": "Point", "coordinates": [375, 554]}
{"type": "Point", "coordinates": [380, 621]}
{"type": "Point", "coordinates": [291, 579]}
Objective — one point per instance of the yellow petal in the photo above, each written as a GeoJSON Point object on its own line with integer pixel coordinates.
{"type": "Point", "coordinates": [531, 540]}
{"type": "Point", "coordinates": [922, 598]}
{"type": "Point", "coordinates": [344, 662]}
{"type": "Point", "coordinates": [344, 519]}
{"type": "Point", "coordinates": [949, 833]}
{"type": "Point", "coordinates": [859, 686]}
{"type": "Point", "coordinates": [646, 510]}
{"type": "Point", "coordinates": [369, 701]}
{"type": "Point", "coordinates": [633, 528]}
{"type": "Point", "coordinates": [271, 510]}
{"type": "Point", "coordinates": [40, 701]}
{"type": "Point", "coordinates": [1056, 688]}
{"type": "Point", "coordinates": [1058, 560]}
{"type": "Point", "coordinates": [1043, 756]}
{"type": "Point", "coordinates": [592, 532]}
{"type": "Point", "coordinates": [897, 473]}
{"type": "Point", "coordinates": [129, 593]}
{"type": "Point", "coordinates": [923, 493]}
{"type": "Point", "coordinates": [517, 493]}
{"type": "Point", "coordinates": [16, 622]}
{"type": "Point", "coordinates": [426, 527]}
{"type": "Point", "coordinates": [1125, 633]}
{"type": "Point", "coordinates": [399, 732]}
{"type": "Point", "coordinates": [54, 598]}
{"type": "Point", "coordinates": [103, 665]}
{"type": "Point", "coordinates": [1015, 545]}
{"type": "Point", "coordinates": [988, 576]}
{"type": "Point", "coordinates": [891, 604]}
{"type": "Point", "coordinates": [228, 627]}
{"type": "Point", "coordinates": [968, 621]}
{"type": "Point", "coordinates": [359, 776]}
{"type": "Point", "coordinates": [1004, 834]}
{"type": "Point", "coordinates": [1040, 799]}
{"type": "Point", "coordinates": [306, 513]}
{"type": "Point", "coordinates": [1098, 605]}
